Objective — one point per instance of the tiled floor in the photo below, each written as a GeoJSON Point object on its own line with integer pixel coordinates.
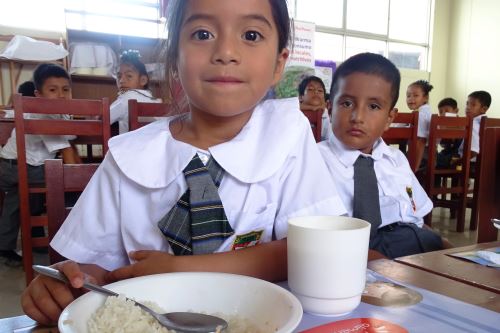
{"type": "Point", "coordinates": [12, 279]}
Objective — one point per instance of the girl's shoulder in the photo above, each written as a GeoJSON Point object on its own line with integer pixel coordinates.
{"type": "Point", "coordinates": [140, 95]}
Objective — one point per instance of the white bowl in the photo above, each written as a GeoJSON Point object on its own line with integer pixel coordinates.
{"type": "Point", "coordinates": [268, 306]}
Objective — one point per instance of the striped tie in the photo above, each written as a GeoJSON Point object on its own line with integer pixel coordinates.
{"type": "Point", "coordinates": [197, 224]}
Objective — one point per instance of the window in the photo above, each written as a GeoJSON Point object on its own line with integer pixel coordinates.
{"type": "Point", "coordinates": [397, 29]}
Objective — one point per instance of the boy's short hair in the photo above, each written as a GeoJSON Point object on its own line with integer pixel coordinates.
{"type": "Point", "coordinates": [45, 71]}
{"type": "Point", "coordinates": [27, 89]}
{"type": "Point", "coordinates": [448, 101]}
{"type": "Point", "coordinates": [372, 64]}
{"type": "Point", "coordinates": [482, 96]}
{"type": "Point", "coordinates": [303, 84]}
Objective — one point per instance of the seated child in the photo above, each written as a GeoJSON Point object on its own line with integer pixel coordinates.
{"type": "Point", "coordinates": [478, 102]}
{"type": "Point", "coordinates": [208, 190]}
{"type": "Point", "coordinates": [132, 80]}
{"type": "Point", "coordinates": [312, 97]}
{"type": "Point", "coordinates": [375, 181]}
{"type": "Point", "coordinates": [448, 108]}
{"type": "Point", "coordinates": [417, 99]}
{"type": "Point", "coordinates": [27, 88]}
{"type": "Point", "coordinates": [51, 81]}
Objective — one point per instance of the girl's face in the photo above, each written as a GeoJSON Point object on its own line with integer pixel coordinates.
{"type": "Point", "coordinates": [128, 77]}
{"type": "Point", "coordinates": [228, 56]}
{"type": "Point", "coordinates": [415, 97]}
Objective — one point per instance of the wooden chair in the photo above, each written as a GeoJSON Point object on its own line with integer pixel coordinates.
{"type": "Point", "coordinates": [314, 118]}
{"type": "Point", "coordinates": [487, 183]}
{"type": "Point", "coordinates": [140, 114]}
{"type": "Point", "coordinates": [96, 124]}
{"type": "Point", "coordinates": [449, 128]}
{"type": "Point", "coordinates": [403, 132]}
{"type": "Point", "coordinates": [60, 179]}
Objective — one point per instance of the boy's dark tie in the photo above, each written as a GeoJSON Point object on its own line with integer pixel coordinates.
{"type": "Point", "coordinates": [197, 224]}
{"type": "Point", "coordinates": [366, 205]}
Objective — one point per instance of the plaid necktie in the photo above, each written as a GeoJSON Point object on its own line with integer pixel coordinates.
{"type": "Point", "coordinates": [197, 224]}
{"type": "Point", "coordinates": [366, 204]}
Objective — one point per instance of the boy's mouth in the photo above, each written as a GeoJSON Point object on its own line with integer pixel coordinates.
{"type": "Point", "coordinates": [355, 132]}
{"type": "Point", "coordinates": [224, 80]}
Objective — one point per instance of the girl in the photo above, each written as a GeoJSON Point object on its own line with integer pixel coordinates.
{"type": "Point", "coordinates": [417, 99]}
{"type": "Point", "coordinates": [132, 80]}
{"type": "Point", "coordinates": [130, 220]}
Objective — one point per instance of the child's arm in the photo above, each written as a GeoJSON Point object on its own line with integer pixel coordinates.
{"type": "Point", "coordinates": [45, 298]}
{"type": "Point", "coordinates": [419, 151]}
{"type": "Point", "coordinates": [266, 261]}
{"type": "Point", "coordinates": [70, 156]}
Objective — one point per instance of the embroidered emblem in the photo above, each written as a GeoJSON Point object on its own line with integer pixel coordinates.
{"type": "Point", "coordinates": [409, 191]}
{"type": "Point", "coordinates": [246, 240]}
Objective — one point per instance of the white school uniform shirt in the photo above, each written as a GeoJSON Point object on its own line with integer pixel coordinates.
{"type": "Point", "coordinates": [118, 110]}
{"type": "Point", "coordinates": [38, 147]}
{"type": "Point", "coordinates": [326, 126]}
{"type": "Point", "coordinates": [474, 142]}
{"type": "Point", "coordinates": [271, 175]}
{"type": "Point", "coordinates": [402, 198]}
{"type": "Point", "coordinates": [424, 121]}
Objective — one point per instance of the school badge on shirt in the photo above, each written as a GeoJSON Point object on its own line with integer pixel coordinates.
{"type": "Point", "coordinates": [246, 240]}
{"type": "Point", "coordinates": [409, 191]}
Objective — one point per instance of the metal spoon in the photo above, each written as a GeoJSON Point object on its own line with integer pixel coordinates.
{"type": "Point", "coordinates": [188, 322]}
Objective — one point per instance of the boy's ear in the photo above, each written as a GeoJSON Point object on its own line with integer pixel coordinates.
{"type": "Point", "coordinates": [38, 93]}
{"type": "Point", "coordinates": [280, 65]}
{"type": "Point", "coordinates": [390, 118]}
{"type": "Point", "coordinates": [484, 108]}
{"type": "Point", "coordinates": [143, 80]}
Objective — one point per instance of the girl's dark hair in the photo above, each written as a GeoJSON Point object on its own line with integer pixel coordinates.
{"type": "Point", "coordinates": [424, 85]}
{"type": "Point", "coordinates": [45, 71]}
{"type": "Point", "coordinates": [133, 58]}
{"type": "Point", "coordinates": [372, 64]}
{"type": "Point", "coordinates": [170, 50]}
{"type": "Point", "coordinates": [303, 84]}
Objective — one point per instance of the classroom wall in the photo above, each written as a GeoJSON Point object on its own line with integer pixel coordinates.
{"type": "Point", "coordinates": [474, 50]}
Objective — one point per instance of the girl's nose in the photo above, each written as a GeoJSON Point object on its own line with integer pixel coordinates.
{"type": "Point", "coordinates": [226, 51]}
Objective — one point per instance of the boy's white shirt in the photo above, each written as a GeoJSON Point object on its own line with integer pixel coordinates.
{"type": "Point", "coordinates": [424, 121]}
{"type": "Point", "coordinates": [38, 147]}
{"type": "Point", "coordinates": [326, 126]}
{"type": "Point", "coordinates": [474, 141]}
{"type": "Point", "coordinates": [394, 177]}
{"type": "Point", "coordinates": [272, 174]}
{"type": "Point", "coordinates": [118, 110]}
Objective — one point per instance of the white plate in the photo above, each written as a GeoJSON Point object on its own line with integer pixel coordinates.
{"type": "Point", "coordinates": [266, 305]}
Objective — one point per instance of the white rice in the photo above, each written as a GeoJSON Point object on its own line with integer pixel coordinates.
{"type": "Point", "coordinates": [119, 315]}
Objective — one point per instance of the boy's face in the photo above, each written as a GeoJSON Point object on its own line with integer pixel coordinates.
{"type": "Point", "coordinates": [474, 107]}
{"type": "Point", "coordinates": [362, 110]}
{"type": "Point", "coordinates": [55, 87]}
{"type": "Point", "coordinates": [447, 109]}
{"type": "Point", "coordinates": [314, 94]}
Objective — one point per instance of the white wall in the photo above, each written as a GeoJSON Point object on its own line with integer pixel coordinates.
{"type": "Point", "coordinates": [474, 51]}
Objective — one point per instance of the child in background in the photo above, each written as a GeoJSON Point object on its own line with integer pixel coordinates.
{"type": "Point", "coordinates": [374, 180]}
{"type": "Point", "coordinates": [312, 97]}
{"type": "Point", "coordinates": [132, 80]}
{"type": "Point", "coordinates": [417, 99]}
{"type": "Point", "coordinates": [144, 203]}
{"type": "Point", "coordinates": [478, 102]}
{"type": "Point", "coordinates": [27, 88]}
{"type": "Point", "coordinates": [51, 81]}
{"type": "Point", "coordinates": [448, 108]}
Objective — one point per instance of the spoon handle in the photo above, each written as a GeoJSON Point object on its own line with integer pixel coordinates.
{"type": "Point", "coordinates": [54, 273]}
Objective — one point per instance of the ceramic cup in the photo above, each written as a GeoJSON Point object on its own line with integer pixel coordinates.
{"type": "Point", "coordinates": [327, 259]}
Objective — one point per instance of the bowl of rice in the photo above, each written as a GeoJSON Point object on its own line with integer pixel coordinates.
{"type": "Point", "coordinates": [249, 305]}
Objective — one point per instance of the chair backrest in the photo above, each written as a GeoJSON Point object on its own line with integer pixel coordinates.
{"type": "Point", "coordinates": [6, 128]}
{"type": "Point", "coordinates": [487, 194]}
{"type": "Point", "coordinates": [140, 114]}
{"type": "Point", "coordinates": [403, 132]}
{"type": "Point", "coordinates": [60, 179]}
{"type": "Point", "coordinates": [96, 123]}
{"type": "Point", "coordinates": [315, 118]}
{"type": "Point", "coordinates": [449, 128]}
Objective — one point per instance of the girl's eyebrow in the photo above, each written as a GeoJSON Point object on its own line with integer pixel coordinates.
{"type": "Point", "coordinates": [257, 17]}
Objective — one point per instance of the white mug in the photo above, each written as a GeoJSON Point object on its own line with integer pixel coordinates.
{"type": "Point", "coordinates": [327, 260]}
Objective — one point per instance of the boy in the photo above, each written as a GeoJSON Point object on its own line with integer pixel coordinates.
{"type": "Point", "coordinates": [448, 108]}
{"type": "Point", "coordinates": [374, 180]}
{"type": "Point", "coordinates": [51, 81]}
{"type": "Point", "coordinates": [478, 102]}
{"type": "Point", "coordinates": [312, 97]}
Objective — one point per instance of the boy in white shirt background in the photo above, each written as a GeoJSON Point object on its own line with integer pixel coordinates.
{"type": "Point", "coordinates": [312, 97]}
{"type": "Point", "coordinates": [364, 92]}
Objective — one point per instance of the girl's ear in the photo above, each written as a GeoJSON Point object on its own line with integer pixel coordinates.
{"type": "Point", "coordinates": [143, 80]}
{"type": "Point", "coordinates": [280, 65]}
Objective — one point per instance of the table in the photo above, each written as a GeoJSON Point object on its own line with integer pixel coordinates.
{"type": "Point", "coordinates": [402, 273]}
{"type": "Point", "coordinates": [468, 272]}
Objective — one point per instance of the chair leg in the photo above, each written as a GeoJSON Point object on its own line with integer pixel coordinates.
{"type": "Point", "coordinates": [461, 214]}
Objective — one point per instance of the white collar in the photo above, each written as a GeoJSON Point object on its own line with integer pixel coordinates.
{"type": "Point", "coordinates": [152, 158]}
{"type": "Point", "coordinates": [348, 156]}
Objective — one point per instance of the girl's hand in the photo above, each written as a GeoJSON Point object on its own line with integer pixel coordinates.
{"type": "Point", "coordinates": [148, 262]}
{"type": "Point", "coordinates": [45, 298]}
